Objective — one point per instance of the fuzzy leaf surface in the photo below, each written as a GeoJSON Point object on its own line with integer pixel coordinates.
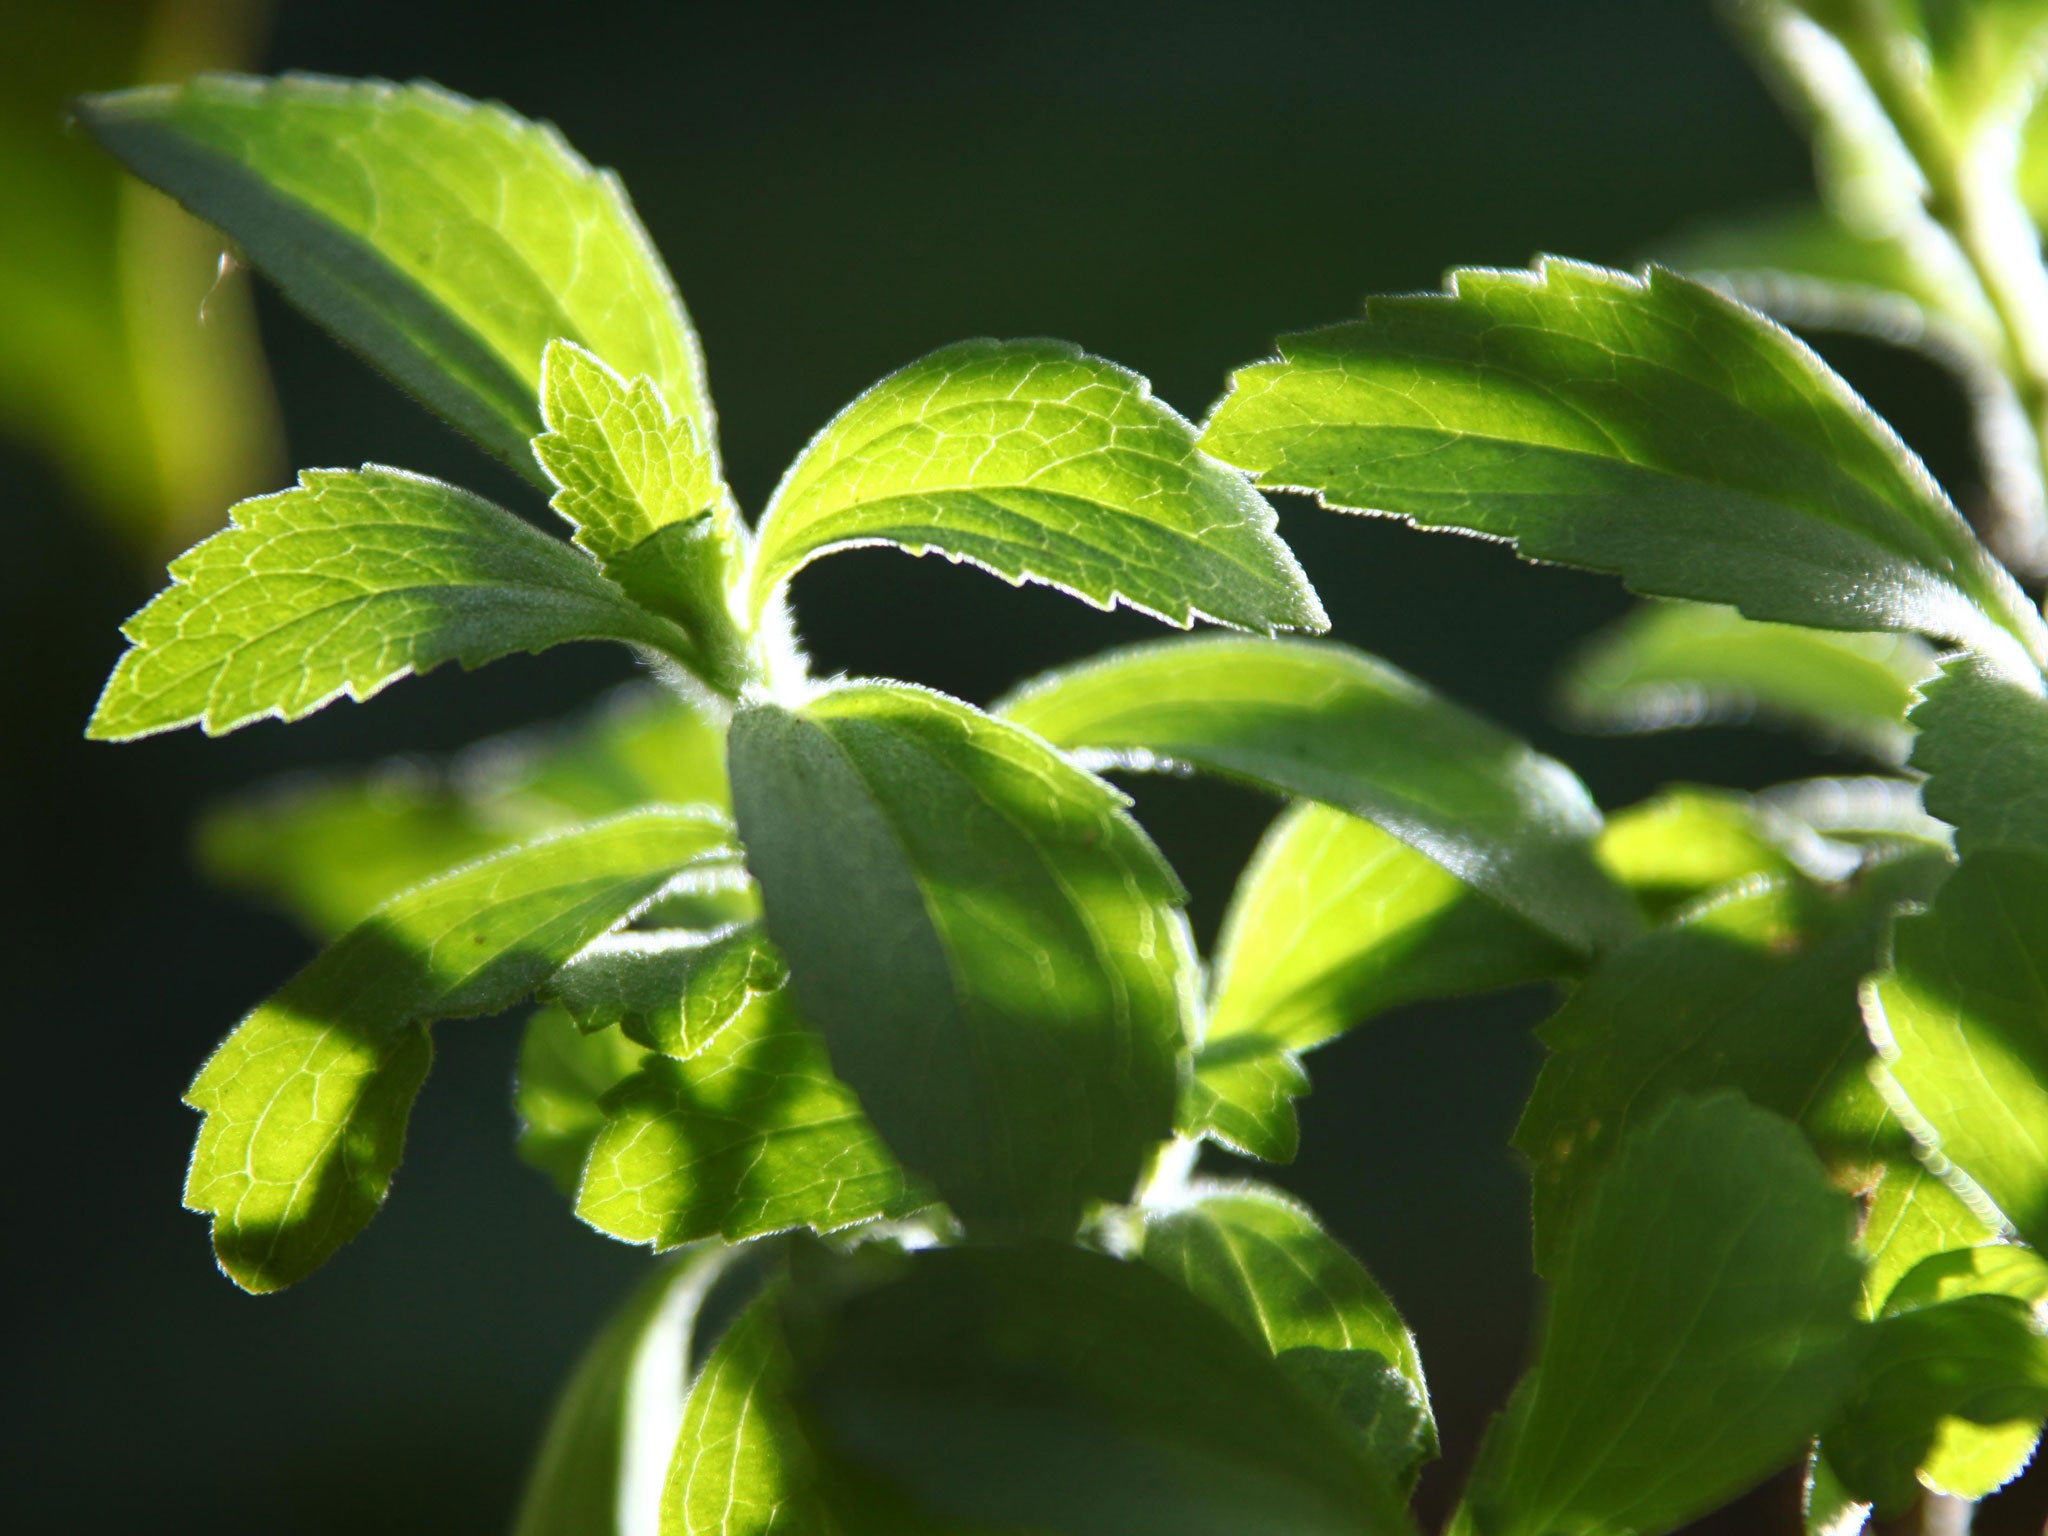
{"type": "Point", "coordinates": [306, 1102]}
{"type": "Point", "coordinates": [672, 990]}
{"type": "Point", "coordinates": [1961, 1020]}
{"type": "Point", "coordinates": [641, 489]}
{"type": "Point", "coordinates": [341, 587]}
{"type": "Point", "coordinates": [447, 241]}
{"type": "Point", "coordinates": [1328, 723]}
{"type": "Point", "coordinates": [1700, 1332]}
{"type": "Point", "coordinates": [1053, 1389]}
{"type": "Point", "coordinates": [1266, 1264]}
{"type": "Point", "coordinates": [1645, 426]}
{"type": "Point", "coordinates": [995, 953]}
{"type": "Point", "coordinates": [751, 1135]}
{"type": "Point", "coordinates": [1040, 463]}
{"type": "Point", "coordinates": [1681, 664]}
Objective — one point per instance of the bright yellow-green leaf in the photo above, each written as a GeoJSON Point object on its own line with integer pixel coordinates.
{"type": "Point", "coordinates": [306, 1102]}
{"type": "Point", "coordinates": [1039, 463]}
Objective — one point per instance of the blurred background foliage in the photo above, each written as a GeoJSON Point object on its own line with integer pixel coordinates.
{"type": "Point", "coordinates": [838, 189]}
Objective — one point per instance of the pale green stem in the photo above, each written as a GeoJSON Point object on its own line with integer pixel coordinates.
{"type": "Point", "coordinates": [1971, 191]}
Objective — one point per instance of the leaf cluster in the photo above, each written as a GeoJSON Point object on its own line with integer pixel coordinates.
{"type": "Point", "coordinates": [881, 1010]}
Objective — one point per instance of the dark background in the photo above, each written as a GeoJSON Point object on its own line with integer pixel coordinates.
{"type": "Point", "coordinates": [837, 190]}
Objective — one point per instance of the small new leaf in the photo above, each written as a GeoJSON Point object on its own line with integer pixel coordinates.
{"type": "Point", "coordinates": [448, 241]}
{"type": "Point", "coordinates": [670, 989]}
{"type": "Point", "coordinates": [1645, 426]}
{"type": "Point", "coordinates": [343, 586]}
{"type": "Point", "coordinates": [643, 494]}
{"type": "Point", "coordinates": [994, 952]}
{"type": "Point", "coordinates": [751, 1135]}
{"type": "Point", "coordinates": [306, 1102]}
{"type": "Point", "coordinates": [1328, 723]}
{"type": "Point", "coordinates": [1040, 463]}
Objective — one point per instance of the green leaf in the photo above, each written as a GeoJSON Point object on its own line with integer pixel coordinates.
{"type": "Point", "coordinates": [306, 1102]}
{"type": "Point", "coordinates": [1242, 1095]}
{"type": "Point", "coordinates": [1328, 723]}
{"type": "Point", "coordinates": [994, 951]}
{"type": "Point", "coordinates": [603, 1457]}
{"type": "Point", "coordinates": [1910, 1216]}
{"type": "Point", "coordinates": [643, 494]}
{"type": "Point", "coordinates": [1333, 923]}
{"type": "Point", "coordinates": [1266, 1264]}
{"type": "Point", "coordinates": [1951, 1395]}
{"type": "Point", "coordinates": [1700, 1331]}
{"type": "Point", "coordinates": [1686, 842]}
{"type": "Point", "coordinates": [330, 847]}
{"type": "Point", "coordinates": [1961, 1021]}
{"type": "Point", "coordinates": [1041, 463]}
{"type": "Point", "coordinates": [1983, 745]}
{"type": "Point", "coordinates": [343, 586]}
{"type": "Point", "coordinates": [445, 240]}
{"type": "Point", "coordinates": [1757, 992]}
{"type": "Point", "coordinates": [672, 990]}
{"type": "Point", "coordinates": [1055, 1389]}
{"type": "Point", "coordinates": [559, 1088]}
{"type": "Point", "coordinates": [751, 1135]}
{"type": "Point", "coordinates": [1683, 664]}
{"type": "Point", "coordinates": [743, 1465]}
{"type": "Point", "coordinates": [1644, 426]}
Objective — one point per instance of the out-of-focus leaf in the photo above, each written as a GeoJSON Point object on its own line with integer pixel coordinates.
{"type": "Point", "coordinates": [329, 847]}
{"type": "Point", "coordinates": [131, 358]}
{"type": "Point", "coordinates": [1679, 664]}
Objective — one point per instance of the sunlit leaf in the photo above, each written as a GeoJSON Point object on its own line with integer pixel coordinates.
{"type": "Point", "coordinates": [1040, 463]}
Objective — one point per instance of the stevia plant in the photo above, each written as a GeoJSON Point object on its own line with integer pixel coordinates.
{"type": "Point", "coordinates": [879, 1011]}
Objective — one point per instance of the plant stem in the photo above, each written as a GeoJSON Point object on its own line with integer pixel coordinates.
{"type": "Point", "coordinates": [1971, 192]}
{"type": "Point", "coordinates": [1942, 1515]}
